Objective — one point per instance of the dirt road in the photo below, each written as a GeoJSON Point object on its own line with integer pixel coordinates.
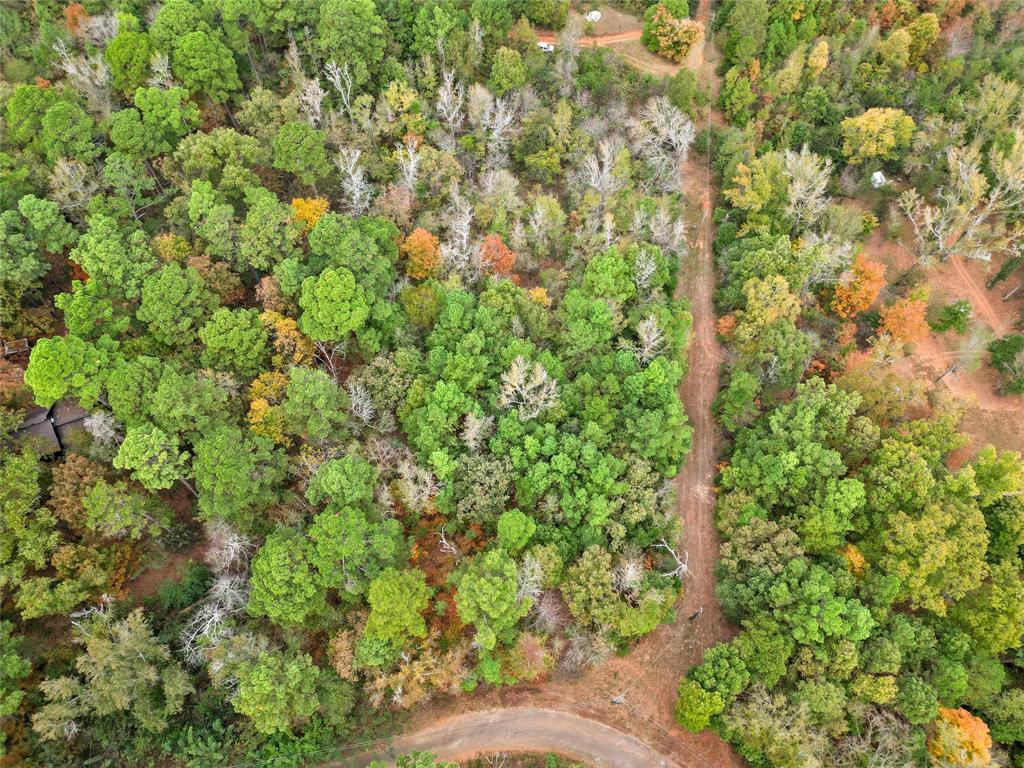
{"type": "Point", "coordinates": [588, 41]}
{"type": "Point", "coordinates": [518, 730]}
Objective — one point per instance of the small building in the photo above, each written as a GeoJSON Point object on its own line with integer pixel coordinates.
{"type": "Point", "coordinates": [37, 425]}
{"type": "Point", "coordinates": [878, 180]}
{"type": "Point", "coordinates": [50, 426]}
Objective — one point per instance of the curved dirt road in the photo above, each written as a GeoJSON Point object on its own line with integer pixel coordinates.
{"type": "Point", "coordinates": [518, 729]}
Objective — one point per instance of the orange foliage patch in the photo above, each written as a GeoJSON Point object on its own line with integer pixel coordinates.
{"type": "Point", "coordinates": [855, 560]}
{"type": "Point", "coordinates": [960, 738]}
{"type": "Point", "coordinates": [308, 210]}
{"type": "Point", "coordinates": [726, 325]}
{"type": "Point", "coordinates": [497, 257]}
{"type": "Point", "coordinates": [904, 320]}
{"type": "Point", "coordinates": [75, 16]}
{"type": "Point", "coordinates": [859, 288]}
{"type": "Point", "coordinates": [422, 253]}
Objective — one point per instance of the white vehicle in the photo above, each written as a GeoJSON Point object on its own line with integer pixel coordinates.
{"type": "Point", "coordinates": [547, 47]}
{"type": "Point", "coordinates": [593, 16]}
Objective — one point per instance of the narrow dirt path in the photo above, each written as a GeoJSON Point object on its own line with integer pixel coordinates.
{"type": "Point", "coordinates": [620, 713]}
{"type": "Point", "coordinates": [592, 41]}
{"type": "Point", "coordinates": [979, 298]}
{"type": "Point", "coordinates": [508, 730]}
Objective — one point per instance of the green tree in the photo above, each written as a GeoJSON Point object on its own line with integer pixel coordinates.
{"type": "Point", "coordinates": [350, 547]}
{"type": "Point", "coordinates": [350, 31]}
{"type": "Point", "coordinates": [235, 340]}
{"type": "Point", "coordinates": [175, 304]}
{"type": "Point", "coordinates": [115, 510]}
{"type": "Point", "coordinates": [116, 260]}
{"type": "Point", "coordinates": [695, 706]}
{"type": "Point", "coordinates": [278, 691]}
{"type": "Point", "coordinates": [486, 598]}
{"type": "Point", "coordinates": [994, 613]}
{"type": "Point", "coordinates": [13, 669]}
{"type": "Point", "coordinates": [128, 56]}
{"type": "Point", "coordinates": [68, 131]}
{"type": "Point", "coordinates": [124, 669]}
{"type": "Point", "coordinates": [299, 149]}
{"type": "Point", "coordinates": [508, 72]}
{"type": "Point", "coordinates": [30, 530]}
{"type": "Point", "coordinates": [154, 458]}
{"type": "Point", "coordinates": [156, 124]}
{"type": "Point", "coordinates": [270, 232]}
{"type": "Point", "coordinates": [397, 601]}
{"type": "Point", "coordinates": [64, 365]}
{"type": "Point", "coordinates": [880, 132]}
{"type": "Point", "coordinates": [174, 20]}
{"type": "Point", "coordinates": [236, 473]}
{"type": "Point", "coordinates": [315, 407]}
{"type": "Point", "coordinates": [333, 305]}
{"type": "Point", "coordinates": [515, 529]}
{"type": "Point", "coordinates": [205, 66]}
{"type": "Point", "coordinates": [347, 482]}
{"type": "Point", "coordinates": [284, 587]}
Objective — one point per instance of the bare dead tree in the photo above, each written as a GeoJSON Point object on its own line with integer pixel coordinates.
{"type": "Point", "coordinates": [650, 340]}
{"type": "Point", "coordinates": [358, 191]}
{"type": "Point", "coordinates": [447, 546]}
{"type": "Point", "coordinates": [809, 176]}
{"type": "Point", "coordinates": [160, 72]}
{"type": "Point", "coordinates": [311, 101]}
{"type": "Point", "coordinates": [969, 213]}
{"type": "Point", "coordinates": [475, 430]}
{"type": "Point", "coordinates": [228, 549]}
{"type": "Point", "coordinates": [293, 61]}
{"type": "Point", "coordinates": [682, 568]}
{"type": "Point", "coordinates": [566, 63]}
{"type": "Point", "coordinates": [529, 579]}
{"type": "Point", "coordinates": [417, 483]}
{"type": "Point", "coordinates": [409, 163]}
{"type": "Point", "coordinates": [598, 170]}
{"type": "Point", "coordinates": [549, 614]}
{"type": "Point", "coordinates": [499, 122]}
{"type": "Point", "coordinates": [329, 354]}
{"type": "Point", "coordinates": [100, 29]}
{"type": "Point", "coordinates": [73, 184]}
{"type": "Point", "coordinates": [104, 429]}
{"type": "Point", "coordinates": [628, 575]}
{"type": "Point", "coordinates": [90, 76]}
{"type": "Point", "coordinates": [360, 402]}
{"type": "Point", "coordinates": [340, 79]}
{"type": "Point", "coordinates": [457, 250]}
{"type": "Point", "coordinates": [527, 389]}
{"type": "Point", "coordinates": [662, 135]}
{"type": "Point", "coordinates": [451, 98]}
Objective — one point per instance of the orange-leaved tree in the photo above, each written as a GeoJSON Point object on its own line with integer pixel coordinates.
{"type": "Point", "coordinates": [904, 320]}
{"type": "Point", "coordinates": [308, 210]}
{"type": "Point", "coordinates": [858, 288]}
{"type": "Point", "coordinates": [496, 257]}
{"type": "Point", "coordinates": [422, 254]}
{"type": "Point", "coordinates": [957, 739]}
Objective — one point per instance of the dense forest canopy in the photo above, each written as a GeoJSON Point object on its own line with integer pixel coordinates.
{"type": "Point", "coordinates": [371, 312]}
{"type": "Point", "coordinates": [342, 343]}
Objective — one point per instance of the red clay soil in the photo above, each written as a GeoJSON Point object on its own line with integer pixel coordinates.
{"type": "Point", "coordinates": [642, 684]}
{"type": "Point", "coordinates": [990, 417]}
